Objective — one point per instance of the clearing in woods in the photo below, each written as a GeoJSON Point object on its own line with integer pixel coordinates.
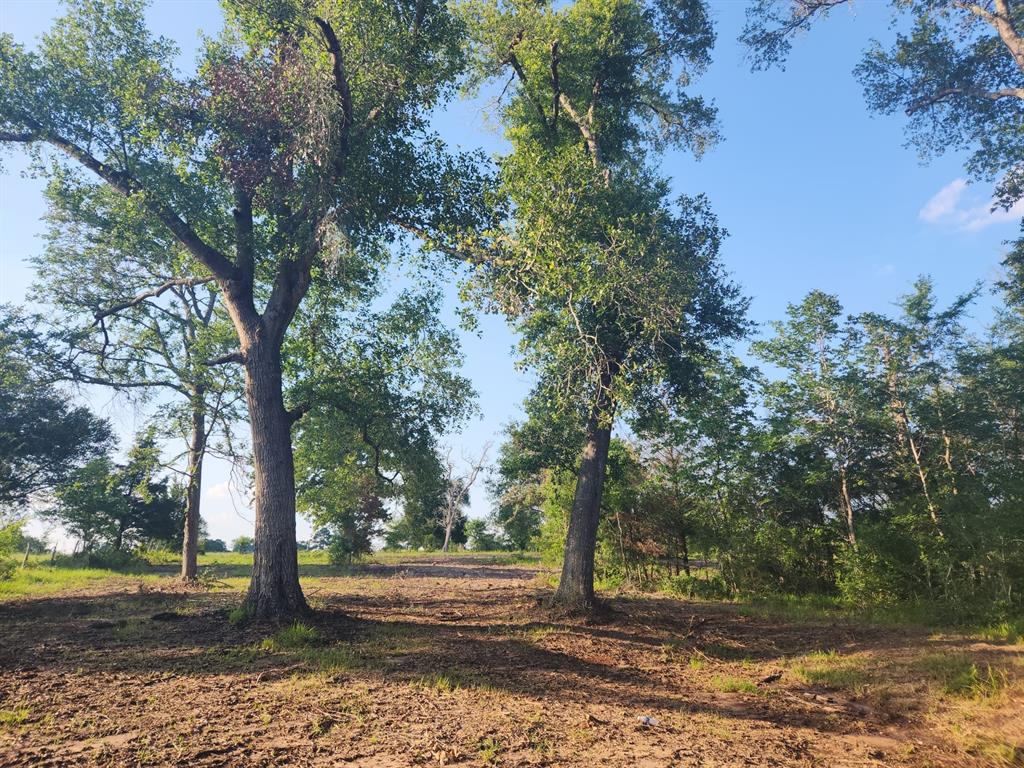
{"type": "Point", "coordinates": [452, 661]}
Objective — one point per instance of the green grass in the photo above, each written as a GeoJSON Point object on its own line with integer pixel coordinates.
{"type": "Point", "coordinates": [959, 675]}
{"type": "Point", "coordinates": [443, 683]}
{"type": "Point", "coordinates": [238, 615]}
{"type": "Point", "coordinates": [220, 570]}
{"type": "Point", "coordinates": [335, 658]}
{"type": "Point", "coordinates": [393, 557]}
{"type": "Point", "coordinates": [13, 717]}
{"type": "Point", "coordinates": [294, 636]}
{"type": "Point", "coordinates": [452, 680]}
{"type": "Point", "coordinates": [830, 670]}
{"type": "Point", "coordinates": [928, 615]}
{"type": "Point", "coordinates": [727, 684]}
{"type": "Point", "coordinates": [489, 748]}
{"type": "Point", "coordinates": [46, 580]}
{"type": "Point", "coordinates": [1003, 631]}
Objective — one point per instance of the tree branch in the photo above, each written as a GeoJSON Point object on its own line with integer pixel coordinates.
{"type": "Point", "coordinates": [296, 413]}
{"type": "Point", "coordinates": [230, 357]}
{"type": "Point", "coordinates": [340, 77]}
{"type": "Point", "coordinates": [477, 255]}
{"type": "Point", "coordinates": [1002, 22]}
{"type": "Point", "coordinates": [555, 89]}
{"type": "Point", "coordinates": [589, 137]}
{"type": "Point", "coordinates": [152, 294]}
{"type": "Point", "coordinates": [210, 257]}
{"type": "Point", "coordinates": [928, 101]}
{"type": "Point", "coordinates": [290, 285]}
{"type": "Point", "coordinates": [513, 62]}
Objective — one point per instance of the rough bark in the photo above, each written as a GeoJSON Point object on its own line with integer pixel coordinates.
{"type": "Point", "coordinates": [576, 587]}
{"type": "Point", "coordinates": [274, 592]}
{"type": "Point", "coordinates": [196, 452]}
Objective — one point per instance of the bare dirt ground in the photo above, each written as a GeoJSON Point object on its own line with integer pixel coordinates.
{"type": "Point", "coordinates": [454, 662]}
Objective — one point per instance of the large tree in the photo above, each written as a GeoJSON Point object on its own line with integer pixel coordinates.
{"type": "Point", "coordinates": [103, 258]}
{"type": "Point", "coordinates": [819, 406]}
{"type": "Point", "coordinates": [301, 136]}
{"type": "Point", "coordinates": [615, 289]}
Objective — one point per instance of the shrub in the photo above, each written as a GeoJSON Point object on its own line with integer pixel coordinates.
{"type": "Point", "coordinates": [158, 555]}
{"type": "Point", "coordinates": [772, 557]}
{"type": "Point", "coordinates": [243, 545]}
{"type": "Point", "coordinates": [714, 588]}
{"type": "Point", "coordinates": [10, 539]}
{"type": "Point", "coordinates": [481, 539]}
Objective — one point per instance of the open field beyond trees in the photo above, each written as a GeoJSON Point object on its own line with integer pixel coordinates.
{"type": "Point", "coordinates": [451, 660]}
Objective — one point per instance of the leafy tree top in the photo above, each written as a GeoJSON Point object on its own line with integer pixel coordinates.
{"type": "Point", "coordinates": [956, 70]}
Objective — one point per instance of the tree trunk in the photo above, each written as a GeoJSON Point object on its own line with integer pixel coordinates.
{"type": "Point", "coordinates": [196, 452]}
{"type": "Point", "coordinates": [447, 536]}
{"type": "Point", "coordinates": [847, 507]}
{"type": "Point", "coordinates": [576, 587]}
{"type": "Point", "coordinates": [274, 591]}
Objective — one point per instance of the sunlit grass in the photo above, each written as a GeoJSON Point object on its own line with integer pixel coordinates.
{"type": "Point", "coordinates": [727, 684]}
{"type": "Point", "coordinates": [297, 635]}
{"type": "Point", "coordinates": [47, 580]}
{"type": "Point", "coordinates": [1003, 631]}
{"type": "Point", "coordinates": [13, 717]}
{"type": "Point", "coordinates": [451, 680]}
{"type": "Point", "coordinates": [960, 675]}
{"type": "Point", "coordinates": [218, 570]}
{"type": "Point", "coordinates": [830, 670]}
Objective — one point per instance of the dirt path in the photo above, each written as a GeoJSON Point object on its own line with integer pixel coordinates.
{"type": "Point", "coordinates": [453, 662]}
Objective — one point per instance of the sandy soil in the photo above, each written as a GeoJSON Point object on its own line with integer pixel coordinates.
{"type": "Point", "coordinates": [456, 662]}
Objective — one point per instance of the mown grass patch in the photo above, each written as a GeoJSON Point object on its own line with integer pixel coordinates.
{"type": "Point", "coordinates": [46, 580]}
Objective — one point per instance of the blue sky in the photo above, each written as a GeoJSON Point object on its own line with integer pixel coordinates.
{"type": "Point", "coordinates": [815, 192]}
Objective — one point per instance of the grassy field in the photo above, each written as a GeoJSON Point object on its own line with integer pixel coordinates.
{"type": "Point", "coordinates": [423, 659]}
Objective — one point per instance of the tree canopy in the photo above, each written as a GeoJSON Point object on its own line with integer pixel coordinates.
{"type": "Point", "coordinates": [955, 70]}
{"type": "Point", "coordinates": [43, 438]}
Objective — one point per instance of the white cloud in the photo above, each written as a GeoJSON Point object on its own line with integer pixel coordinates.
{"type": "Point", "coordinates": [954, 206]}
{"type": "Point", "coordinates": [219, 491]}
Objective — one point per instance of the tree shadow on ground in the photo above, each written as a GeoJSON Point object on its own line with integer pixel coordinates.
{"type": "Point", "coordinates": [624, 663]}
